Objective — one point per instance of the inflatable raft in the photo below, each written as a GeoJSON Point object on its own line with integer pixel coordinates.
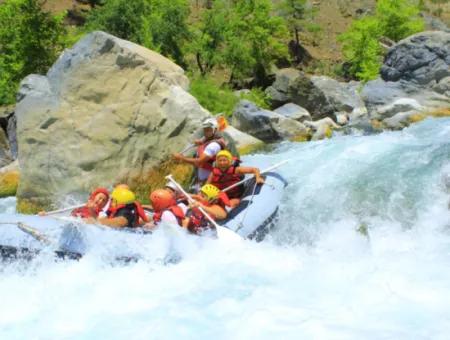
{"type": "Point", "coordinates": [24, 236]}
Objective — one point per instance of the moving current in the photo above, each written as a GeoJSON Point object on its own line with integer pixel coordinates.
{"type": "Point", "coordinates": [361, 250]}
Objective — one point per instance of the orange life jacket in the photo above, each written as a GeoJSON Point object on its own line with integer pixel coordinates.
{"type": "Point", "coordinates": [138, 211]}
{"type": "Point", "coordinates": [224, 179]}
{"type": "Point", "coordinates": [201, 148]}
{"type": "Point", "coordinates": [175, 209]}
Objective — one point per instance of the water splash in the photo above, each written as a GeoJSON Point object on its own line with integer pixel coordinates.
{"type": "Point", "coordinates": [315, 276]}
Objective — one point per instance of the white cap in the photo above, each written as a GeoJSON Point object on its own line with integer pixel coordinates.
{"type": "Point", "coordinates": [210, 122]}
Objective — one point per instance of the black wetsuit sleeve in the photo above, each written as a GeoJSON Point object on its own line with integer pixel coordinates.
{"type": "Point", "coordinates": [129, 213]}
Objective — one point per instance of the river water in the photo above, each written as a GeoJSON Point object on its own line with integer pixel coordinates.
{"type": "Point", "coordinates": [361, 250]}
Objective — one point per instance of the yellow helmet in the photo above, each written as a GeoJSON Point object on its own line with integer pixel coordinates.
{"type": "Point", "coordinates": [225, 153]}
{"type": "Point", "coordinates": [211, 191]}
{"type": "Point", "coordinates": [123, 196]}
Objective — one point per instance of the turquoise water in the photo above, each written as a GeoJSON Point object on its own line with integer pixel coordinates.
{"type": "Point", "coordinates": [315, 277]}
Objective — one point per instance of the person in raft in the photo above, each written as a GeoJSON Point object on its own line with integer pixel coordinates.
{"type": "Point", "coordinates": [213, 202]}
{"type": "Point", "coordinates": [166, 208]}
{"type": "Point", "coordinates": [124, 210]}
{"type": "Point", "coordinates": [173, 190]}
{"type": "Point", "coordinates": [208, 147]}
{"type": "Point", "coordinates": [95, 204]}
{"type": "Point", "coordinates": [227, 172]}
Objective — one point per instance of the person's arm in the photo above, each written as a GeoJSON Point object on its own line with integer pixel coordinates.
{"type": "Point", "coordinates": [248, 170]}
{"type": "Point", "coordinates": [116, 222]}
{"type": "Point", "coordinates": [215, 210]}
{"type": "Point", "coordinates": [210, 177]}
{"type": "Point", "coordinates": [194, 161]}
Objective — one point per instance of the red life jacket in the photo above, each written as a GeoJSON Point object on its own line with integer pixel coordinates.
{"type": "Point", "coordinates": [223, 179]}
{"type": "Point", "coordinates": [138, 211]}
{"type": "Point", "coordinates": [197, 221]}
{"type": "Point", "coordinates": [85, 212]}
{"type": "Point", "coordinates": [175, 209]}
{"type": "Point", "coordinates": [210, 163]}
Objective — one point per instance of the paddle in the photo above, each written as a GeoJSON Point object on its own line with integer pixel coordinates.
{"type": "Point", "coordinates": [54, 212]}
{"type": "Point", "coordinates": [187, 148]}
{"type": "Point", "coordinates": [277, 165]}
{"type": "Point", "coordinates": [33, 232]}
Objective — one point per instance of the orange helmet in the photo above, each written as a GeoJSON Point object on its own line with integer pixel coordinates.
{"type": "Point", "coordinates": [162, 199]}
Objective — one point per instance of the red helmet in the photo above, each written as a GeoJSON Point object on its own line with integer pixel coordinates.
{"type": "Point", "coordinates": [162, 199]}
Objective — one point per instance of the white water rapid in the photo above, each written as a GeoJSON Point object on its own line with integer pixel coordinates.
{"type": "Point", "coordinates": [314, 277]}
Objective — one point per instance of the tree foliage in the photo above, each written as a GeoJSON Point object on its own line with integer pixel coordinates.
{"type": "Point", "coordinates": [398, 18]}
{"type": "Point", "coordinates": [395, 19]}
{"type": "Point", "coordinates": [243, 36]}
{"type": "Point", "coordinates": [156, 24]}
{"type": "Point", "coordinates": [30, 41]}
{"type": "Point", "coordinates": [293, 11]}
{"type": "Point", "coordinates": [361, 48]}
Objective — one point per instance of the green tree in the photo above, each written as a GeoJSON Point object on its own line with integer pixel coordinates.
{"type": "Point", "coordinates": [243, 37]}
{"type": "Point", "coordinates": [398, 18]}
{"type": "Point", "coordinates": [361, 48]}
{"type": "Point", "coordinates": [156, 24]}
{"type": "Point", "coordinates": [30, 41]}
{"type": "Point", "coordinates": [294, 13]}
{"type": "Point", "coordinates": [254, 39]}
{"type": "Point", "coordinates": [208, 36]}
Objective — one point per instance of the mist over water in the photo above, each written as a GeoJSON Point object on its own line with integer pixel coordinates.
{"type": "Point", "coordinates": [361, 250]}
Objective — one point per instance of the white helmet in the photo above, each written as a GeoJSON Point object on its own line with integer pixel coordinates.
{"type": "Point", "coordinates": [172, 186]}
{"type": "Point", "coordinates": [210, 122]}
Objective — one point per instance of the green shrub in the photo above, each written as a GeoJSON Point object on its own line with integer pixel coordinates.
{"type": "Point", "coordinates": [257, 96]}
{"type": "Point", "coordinates": [212, 97]}
{"type": "Point", "coordinates": [30, 41]}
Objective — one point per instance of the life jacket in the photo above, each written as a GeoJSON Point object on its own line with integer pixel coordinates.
{"type": "Point", "coordinates": [201, 148]}
{"type": "Point", "coordinates": [224, 179]}
{"type": "Point", "coordinates": [197, 220]}
{"type": "Point", "coordinates": [85, 212]}
{"type": "Point", "coordinates": [175, 209]}
{"type": "Point", "coordinates": [137, 209]}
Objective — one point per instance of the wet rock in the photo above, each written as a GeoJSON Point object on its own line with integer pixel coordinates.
{"type": "Point", "coordinates": [322, 128]}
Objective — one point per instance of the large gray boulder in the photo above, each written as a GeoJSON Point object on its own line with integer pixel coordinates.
{"type": "Point", "coordinates": [107, 111]}
{"type": "Point", "coordinates": [421, 58]}
{"type": "Point", "coordinates": [266, 125]}
{"type": "Point", "coordinates": [321, 96]}
{"type": "Point", "coordinates": [280, 91]}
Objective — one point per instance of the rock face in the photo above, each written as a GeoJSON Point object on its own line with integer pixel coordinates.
{"type": "Point", "coordinates": [266, 125]}
{"type": "Point", "coordinates": [8, 143]}
{"type": "Point", "coordinates": [294, 111]}
{"type": "Point", "coordinates": [244, 143]}
{"type": "Point", "coordinates": [415, 78]}
{"type": "Point", "coordinates": [108, 111]}
{"type": "Point", "coordinates": [321, 96]}
{"type": "Point", "coordinates": [421, 58]}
